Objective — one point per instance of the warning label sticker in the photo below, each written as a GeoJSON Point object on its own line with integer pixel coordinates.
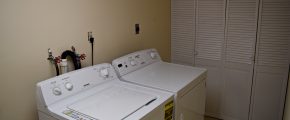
{"type": "Point", "coordinates": [168, 109]}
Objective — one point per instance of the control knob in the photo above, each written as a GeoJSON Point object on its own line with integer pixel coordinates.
{"type": "Point", "coordinates": [153, 55]}
{"type": "Point", "coordinates": [133, 62]}
{"type": "Point", "coordinates": [68, 86]}
{"type": "Point", "coordinates": [104, 72]}
{"type": "Point", "coordinates": [56, 91]}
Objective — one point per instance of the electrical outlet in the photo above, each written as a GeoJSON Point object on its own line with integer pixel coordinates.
{"type": "Point", "coordinates": [90, 35]}
{"type": "Point", "coordinates": [137, 28]}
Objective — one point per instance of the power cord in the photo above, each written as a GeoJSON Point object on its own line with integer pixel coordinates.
{"type": "Point", "coordinates": [91, 39]}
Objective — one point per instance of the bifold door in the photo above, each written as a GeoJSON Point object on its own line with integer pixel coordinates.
{"type": "Point", "coordinates": [245, 45]}
{"type": "Point", "coordinates": [272, 60]}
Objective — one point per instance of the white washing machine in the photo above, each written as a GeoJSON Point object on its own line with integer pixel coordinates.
{"type": "Point", "coordinates": [96, 93]}
{"type": "Point", "coordinates": [145, 68]}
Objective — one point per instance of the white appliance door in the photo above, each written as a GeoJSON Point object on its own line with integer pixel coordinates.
{"type": "Point", "coordinates": [165, 76]}
{"type": "Point", "coordinates": [114, 103]}
{"type": "Point", "coordinates": [192, 104]}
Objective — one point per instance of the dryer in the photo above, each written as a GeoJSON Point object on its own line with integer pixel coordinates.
{"type": "Point", "coordinates": [145, 68]}
{"type": "Point", "coordinates": [96, 93]}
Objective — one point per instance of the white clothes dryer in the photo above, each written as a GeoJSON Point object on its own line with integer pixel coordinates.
{"type": "Point", "coordinates": [96, 93]}
{"type": "Point", "coordinates": [145, 68]}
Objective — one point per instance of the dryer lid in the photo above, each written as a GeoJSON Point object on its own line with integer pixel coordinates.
{"type": "Point", "coordinates": [114, 103]}
{"type": "Point", "coordinates": [166, 76]}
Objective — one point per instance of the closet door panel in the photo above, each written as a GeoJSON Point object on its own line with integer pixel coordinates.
{"type": "Point", "coordinates": [267, 96]}
{"type": "Point", "coordinates": [237, 94]}
{"type": "Point", "coordinates": [210, 29]}
{"type": "Point", "coordinates": [210, 21]}
{"type": "Point", "coordinates": [241, 31]}
{"type": "Point", "coordinates": [238, 64]}
{"type": "Point", "coordinates": [214, 91]}
{"type": "Point", "coordinates": [214, 86]}
{"type": "Point", "coordinates": [272, 60]}
{"type": "Point", "coordinates": [182, 31]}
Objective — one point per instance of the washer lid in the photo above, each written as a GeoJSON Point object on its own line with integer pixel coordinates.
{"type": "Point", "coordinates": [114, 103]}
{"type": "Point", "coordinates": [165, 76]}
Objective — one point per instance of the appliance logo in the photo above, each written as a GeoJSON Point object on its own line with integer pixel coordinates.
{"type": "Point", "coordinates": [86, 85]}
{"type": "Point", "coordinates": [66, 78]}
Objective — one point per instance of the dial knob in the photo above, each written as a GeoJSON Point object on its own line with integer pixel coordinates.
{"type": "Point", "coordinates": [133, 62]}
{"type": "Point", "coordinates": [104, 72]}
{"type": "Point", "coordinates": [153, 55]}
{"type": "Point", "coordinates": [56, 91]}
{"type": "Point", "coordinates": [68, 86]}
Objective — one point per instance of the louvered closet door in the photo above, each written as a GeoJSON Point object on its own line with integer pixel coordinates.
{"type": "Point", "coordinates": [182, 31]}
{"type": "Point", "coordinates": [272, 60]}
{"type": "Point", "coordinates": [238, 64]}
{"type": "Point", "coordinates": [210, 22]}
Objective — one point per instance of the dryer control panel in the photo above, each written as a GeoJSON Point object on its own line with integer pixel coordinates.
{"type": "Point", "coordinates": [77, 115]}
{"type": "Point", "coordinates": [60, 87]}
{"type": "Point", "coordinates": [134, 61]}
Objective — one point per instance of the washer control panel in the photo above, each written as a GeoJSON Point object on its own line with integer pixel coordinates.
{"type": "Point", "coordinates": [77, 115]}
{"type": "Point", "coordinates": [136, 60]}
{"type": "Point", "coordinates": [70, 83]}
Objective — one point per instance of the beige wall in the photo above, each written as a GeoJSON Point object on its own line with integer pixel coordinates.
{"type": "Point", "coordinates": [29, 27]}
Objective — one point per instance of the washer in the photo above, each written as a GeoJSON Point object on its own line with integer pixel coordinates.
{"type": "Point", "coordinates": [96, 93]}
{"type": "Point", "coordinates": [145, 68]}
